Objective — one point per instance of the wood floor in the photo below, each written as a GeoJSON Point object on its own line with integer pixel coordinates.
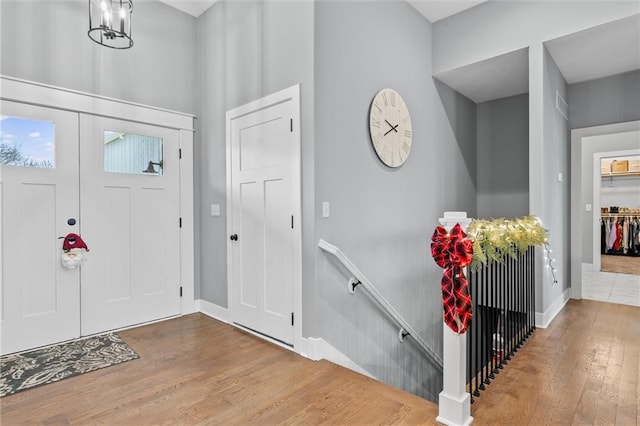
{"type": "Point", "coordinates": [583, 369]}
{"type": "Point", "coordinates": [620, 264]}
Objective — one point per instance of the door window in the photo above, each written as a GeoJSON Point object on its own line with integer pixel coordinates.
{"type": "Point", "coordinates": [27, 143]}
{"type": "Point", "coordinates": [132, 154]}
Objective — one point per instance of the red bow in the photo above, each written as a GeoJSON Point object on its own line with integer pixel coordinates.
{"type": "Point", "coordinates": [454, 251]}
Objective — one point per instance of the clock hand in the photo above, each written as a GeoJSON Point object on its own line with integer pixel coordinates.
{"type": "Point", "coordinates": [394, 128]}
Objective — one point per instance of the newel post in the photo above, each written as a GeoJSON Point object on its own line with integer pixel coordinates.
{"type": "Point", "coordinates": [454, 400]}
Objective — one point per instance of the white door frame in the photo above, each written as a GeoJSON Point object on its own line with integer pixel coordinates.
{"type": "Point", "coordinates": [577, 204]}
{"type": "Point", "coordinates": [289, 94]}
{"type": "Point", "coordinates": [34, 93]}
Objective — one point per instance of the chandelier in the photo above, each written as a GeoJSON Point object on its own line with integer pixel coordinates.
{"type": "Point", "coordinates": [110, 23]}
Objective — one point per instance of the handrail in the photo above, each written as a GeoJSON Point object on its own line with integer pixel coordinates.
{"type": "Point", "coordinates": [360, 279]}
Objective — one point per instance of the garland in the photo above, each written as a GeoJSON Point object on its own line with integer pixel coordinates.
{"type": "Point", "coordinates": [494, 240]}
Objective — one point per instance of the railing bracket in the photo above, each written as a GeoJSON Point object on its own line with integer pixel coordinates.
{"type": "Point", "coordinates": [402, 334]}
{"type": "Point", "coordinates": [353, 283]}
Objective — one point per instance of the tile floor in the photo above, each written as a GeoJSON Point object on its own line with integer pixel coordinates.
{"type": "Point", "coordinates": [611, 287]}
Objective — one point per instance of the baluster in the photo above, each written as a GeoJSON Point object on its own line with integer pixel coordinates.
{"type": "Point", "coordinates": [471, 331]}
{"type": "Point", "coordinates": [492, 287]}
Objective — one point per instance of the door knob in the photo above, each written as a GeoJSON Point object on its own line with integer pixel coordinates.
{"type": "Point", "coordinates": [234, 237]}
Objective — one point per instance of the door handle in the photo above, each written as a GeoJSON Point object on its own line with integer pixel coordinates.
{"type": "Point", "coordinates": [234, 237]}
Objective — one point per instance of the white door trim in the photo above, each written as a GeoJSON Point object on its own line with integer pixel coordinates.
{"type": "Point", "coordinates": [289, 94]}
{"type": "Point", "coordinates": [35, 93]}
{"type": "Point", "coordinates": [577, 204]}
{"type": "Point", "coordinates": [15, 89]}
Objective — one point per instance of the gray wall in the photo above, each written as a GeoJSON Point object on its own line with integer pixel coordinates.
{"type": "Point", "coordinates": [383, 218]}
{"type": "Point", "coordinates": [556, 147]}
{"type": "Point", "coordinates": [247, 50]}
{"type": "Point", "coordinates": [503, 157]}
{"type": "Point", "coordinates": [47, 42]}
{"type": "Point", "coordinates": [606, 100]}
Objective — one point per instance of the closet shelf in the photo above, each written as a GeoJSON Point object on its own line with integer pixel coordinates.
{"type": "Point", "coordinates": [623, 214]}
{"type": "Point", "coordinates": [617, 174]}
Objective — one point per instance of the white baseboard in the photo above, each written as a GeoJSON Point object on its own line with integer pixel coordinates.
{"type": "Point", "coordinates": [213, 310]}
{"type": "Point", "coordinates": [588, 267]}
{"type": "Point", "coordinates": [544, 319]}
{"type": "Point", "coordinates": [317, 349]}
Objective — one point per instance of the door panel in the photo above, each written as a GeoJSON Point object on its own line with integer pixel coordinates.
{"type": "Point", "coordinates": [132, 218]}
{"type": "Point", "coordinates": [40, 298]}
{"type": "Point", "coordinates": [263, 208]}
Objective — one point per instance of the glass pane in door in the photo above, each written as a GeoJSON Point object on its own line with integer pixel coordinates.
{"type": "Point", "coordinates": [132, 154]}
{"type": "Point", "coordinates": [27, 143]}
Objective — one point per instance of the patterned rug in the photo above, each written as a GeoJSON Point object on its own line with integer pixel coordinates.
{"type": "Point", "coordinates": [26, 370]}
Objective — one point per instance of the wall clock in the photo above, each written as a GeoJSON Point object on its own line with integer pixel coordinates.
{"type": "Point", "coordinates": [390, 127]}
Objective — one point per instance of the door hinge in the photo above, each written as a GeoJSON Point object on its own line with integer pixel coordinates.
{"type": "Point", "coordinates": [180, 153]}
{"type": "Point", "coordinates": [180, 291]}
{"type": "Point", "coordinates": [291, 124]}
{"type": "Point", "coordinates": [292, 318]}
{"type": "Point", "coordinates": [180, 222]}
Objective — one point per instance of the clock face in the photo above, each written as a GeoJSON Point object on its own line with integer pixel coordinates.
{"type": "Point", "coordinates": [390, 128]}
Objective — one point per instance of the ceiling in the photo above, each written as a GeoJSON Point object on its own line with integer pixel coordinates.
{"type": "Point", "coordinates": [605, 50]}
{"type": "Point", "coordinates": [192, 7]}
{"type": "Point", "coordinates": [436, 10]}
{"type": "Point", "coordinates": [433, 10]}
{"type": "Point", "coordinates": [602, 51]}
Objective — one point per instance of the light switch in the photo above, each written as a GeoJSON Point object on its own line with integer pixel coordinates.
{"type": "Point", "coordinates": [588, 207]}
{"type": "Point", "coordinates": [560, 177]}
{"type": "Point", "coordinates": [215, 209]}
{"type": "Point", "coordinates": [325, 209]}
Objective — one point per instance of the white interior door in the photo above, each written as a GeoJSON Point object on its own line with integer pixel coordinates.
{"type": "Point", "coordinates": [38, 197]}
{"type": "Point", "coordinates": [264, 224]}
{"type": "Point", "coordinates": [130, 222]}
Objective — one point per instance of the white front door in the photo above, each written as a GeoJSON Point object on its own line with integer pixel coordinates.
{"type": "Point", "coordinates": [130, 221]}
{"type": "Point", "coordinates": [264, 225]}
{"type": "Point", "coordinates": [38, 203]}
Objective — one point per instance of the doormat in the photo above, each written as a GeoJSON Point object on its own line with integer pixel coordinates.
{"type": "Point", "coordinates": [28, 369]}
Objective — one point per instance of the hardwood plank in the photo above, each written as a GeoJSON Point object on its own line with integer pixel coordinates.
{"type": "Point", "coordinates": [195, 370]}
{"type": "Point", "coordinates": [583, 369]}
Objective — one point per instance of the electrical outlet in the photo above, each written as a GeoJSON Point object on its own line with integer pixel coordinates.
{"type": "Point", "coordinates": [215, 209]}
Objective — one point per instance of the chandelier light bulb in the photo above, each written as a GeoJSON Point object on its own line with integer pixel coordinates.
{"type": "Point", "coordinates": [110, 23]}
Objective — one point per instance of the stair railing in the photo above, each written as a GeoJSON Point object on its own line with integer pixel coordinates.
{"type": "Point", "coordinates": [359, 279]}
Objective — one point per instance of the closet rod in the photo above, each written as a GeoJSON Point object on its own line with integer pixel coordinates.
{"type": "Point", "coordinates": [619, 214]}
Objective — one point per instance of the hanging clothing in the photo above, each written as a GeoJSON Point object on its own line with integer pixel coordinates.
{"type": "Point", "coordinates": [620, 235]}
{"type": "Point", "coordinates": [613, 234]}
